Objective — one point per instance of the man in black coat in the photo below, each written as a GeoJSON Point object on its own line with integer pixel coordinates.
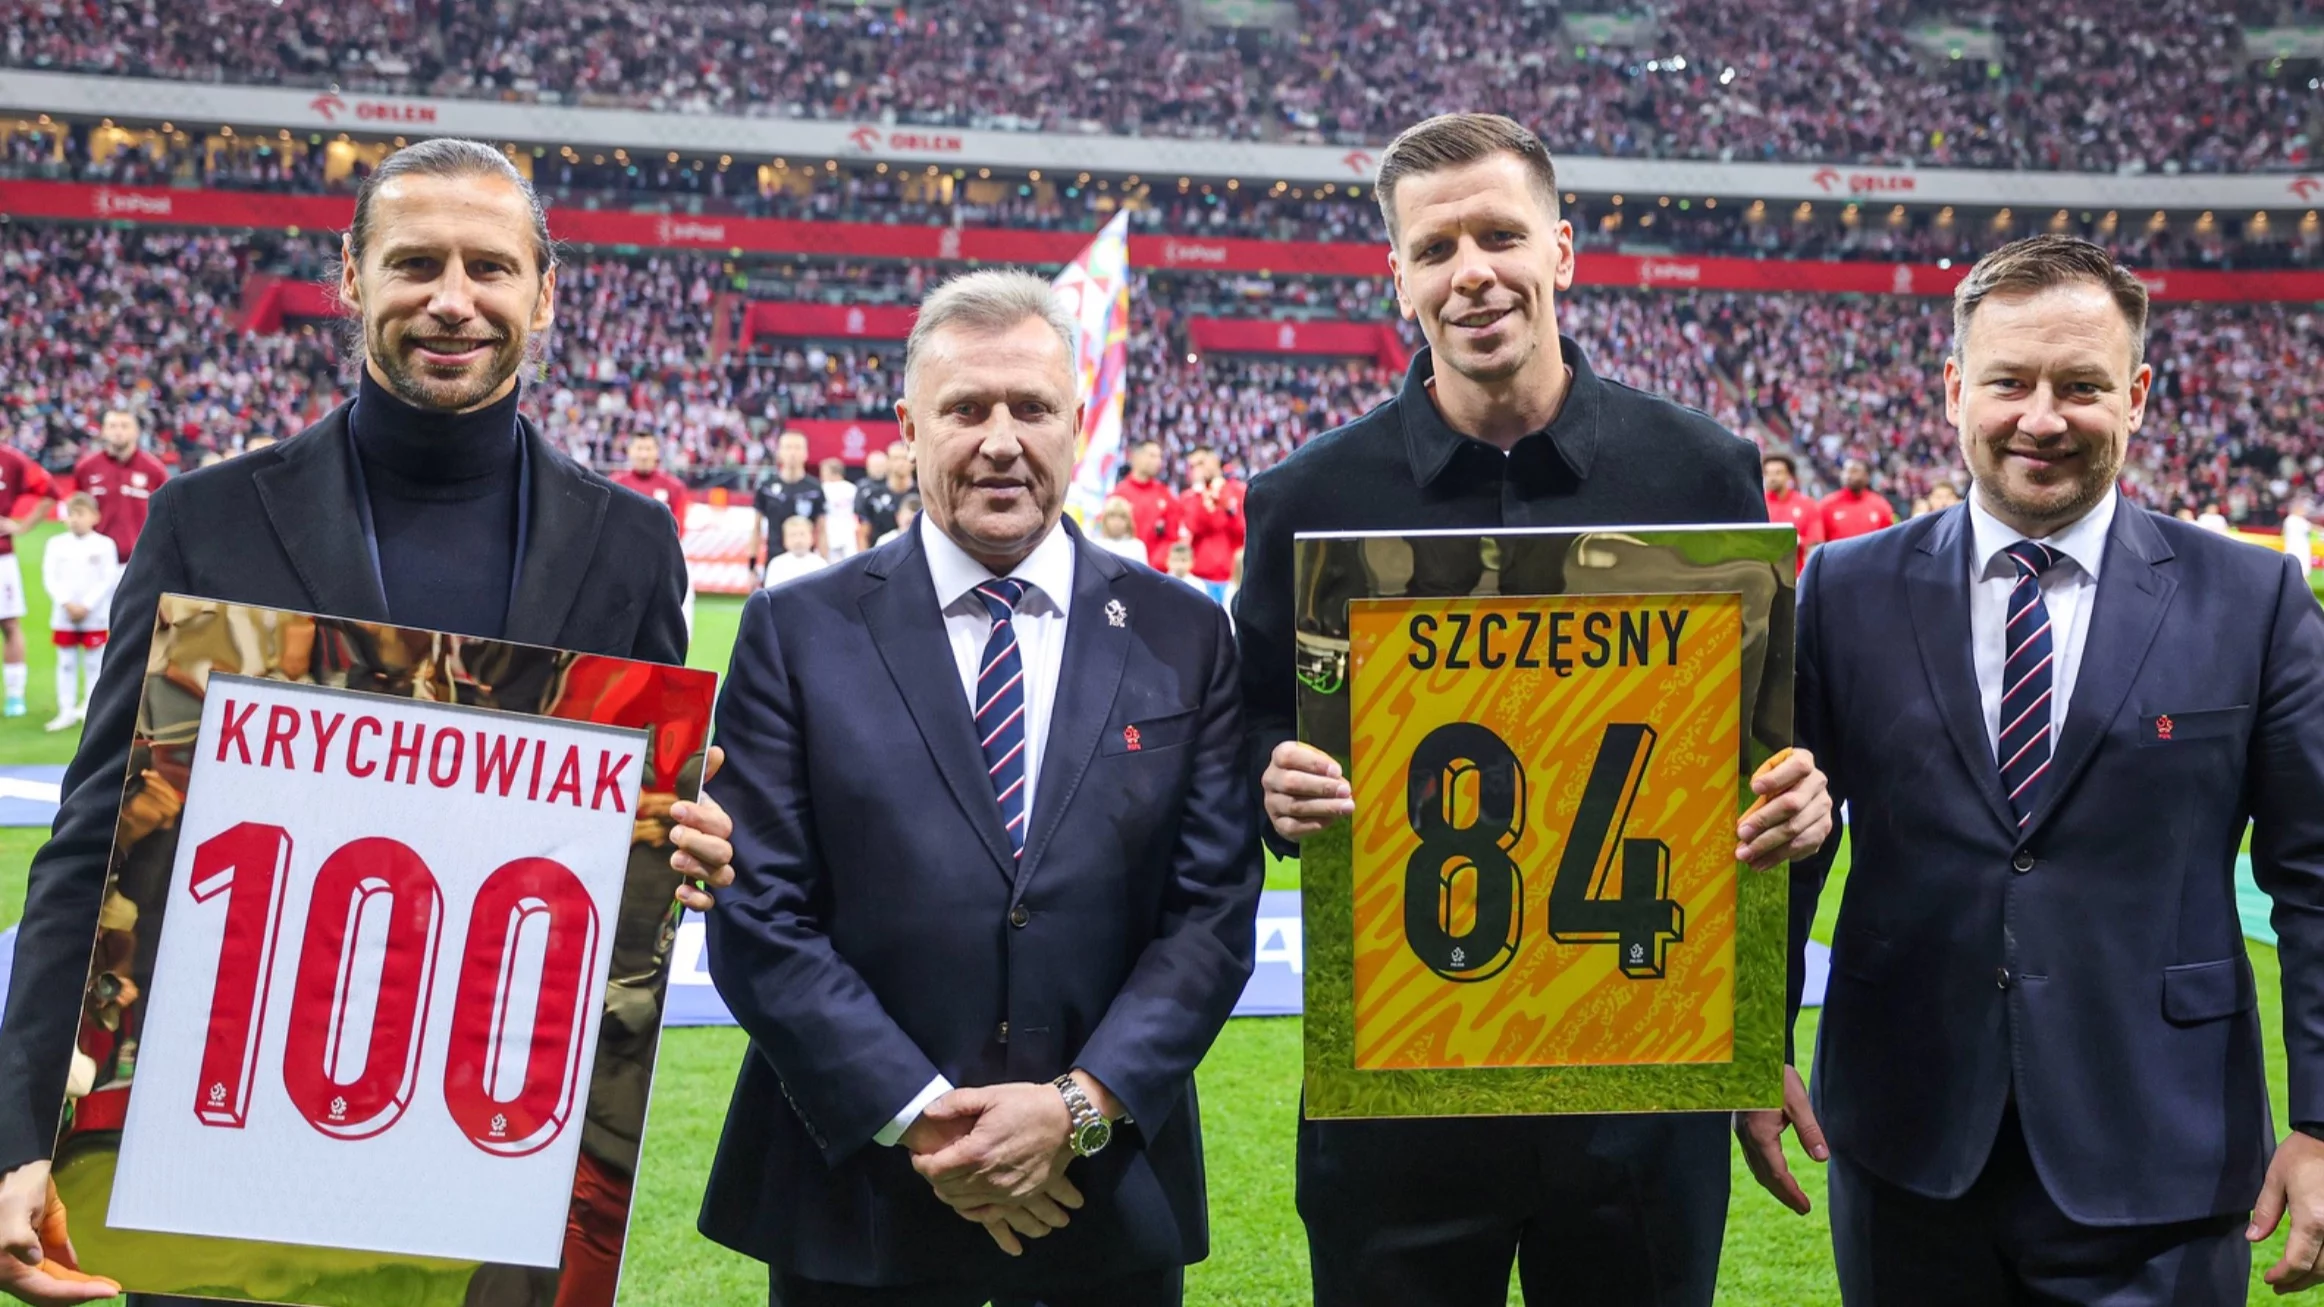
{"type": "Point", "coordinates": [1501, 423]}
{"type": "Point", "coordinates": [427, 502]}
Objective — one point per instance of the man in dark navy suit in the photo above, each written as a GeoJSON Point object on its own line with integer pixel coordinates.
{"type": "Point", "coordinates": [997, 868]}
{"type": "Point", "coordinates": [2052, 714]}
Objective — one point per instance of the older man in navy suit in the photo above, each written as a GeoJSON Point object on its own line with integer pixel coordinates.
{"type": "Point", "coordinates": [997, 873]}
{"type": "Point", "coordinates": [2052, 714]}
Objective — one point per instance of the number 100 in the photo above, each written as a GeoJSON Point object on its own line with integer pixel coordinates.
{"type": "Point", "coordinates": [384, 879]}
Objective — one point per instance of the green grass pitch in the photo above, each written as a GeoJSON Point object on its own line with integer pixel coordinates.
{"type": "Point", "coordinates": [1249, 1087]}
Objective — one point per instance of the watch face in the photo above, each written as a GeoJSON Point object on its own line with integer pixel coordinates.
{"type": "Point", "coordinates": [1090, 1138]}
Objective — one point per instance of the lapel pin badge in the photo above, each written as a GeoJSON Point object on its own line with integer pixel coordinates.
{"type": "Point", "coordinates": [1116, 615]}
{"type": "Point", "coordinates": [2163, 727]}
{"type": "Point", "coordinates": [1130, 736]}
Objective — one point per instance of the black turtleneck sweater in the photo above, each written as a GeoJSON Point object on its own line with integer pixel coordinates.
{"type": "Point", "coordinates": [443, 492]}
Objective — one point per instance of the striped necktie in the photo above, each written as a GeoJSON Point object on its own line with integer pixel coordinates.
{"type": "Point", "coordinates": [2027, 672]}
{"type": "Point", "coordinates": [1000, 705]}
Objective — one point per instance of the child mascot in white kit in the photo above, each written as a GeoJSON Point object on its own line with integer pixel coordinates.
{"type": "Point", "coordinates": [80, 570]}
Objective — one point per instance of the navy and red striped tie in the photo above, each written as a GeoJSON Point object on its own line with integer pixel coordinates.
{"type": "Point", "coordinates": [2024, 744]}
{"type": "Point", "coordinates": [1000, 705]}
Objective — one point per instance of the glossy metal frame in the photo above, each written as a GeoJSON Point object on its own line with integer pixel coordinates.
{"type": "Point", "coordinates": [670, 706]}
{"type": "Point", "coordinates": [1754, 562]}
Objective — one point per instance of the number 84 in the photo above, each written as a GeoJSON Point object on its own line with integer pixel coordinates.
{"type": "Point", "coordinates": [1641, 921]}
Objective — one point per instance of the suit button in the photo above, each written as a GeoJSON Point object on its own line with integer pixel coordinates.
{"type": "Point", "coordinates": [1018, 916]}
{"type": "Point", "coordinates": [2001, 977]}
{"type": "Point", "coordinates": [2022, 863]}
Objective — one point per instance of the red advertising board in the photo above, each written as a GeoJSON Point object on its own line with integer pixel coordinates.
{"type": "Point", "coordinates": [827, 321]}
{"type": "Point", "coordinates": [267, 301]}
{"type": "Point", "coordinates": [1377, 340]}
{"type": "Point", "coordinates": [846, 439]}
{"type": "Point", "coordinates": [203, 208]}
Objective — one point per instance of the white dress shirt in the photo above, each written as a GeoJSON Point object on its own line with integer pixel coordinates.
{"type": "Point", "coordinates": [1040, 621]}
{"type": "Point", "coordinates": [2069, 591]}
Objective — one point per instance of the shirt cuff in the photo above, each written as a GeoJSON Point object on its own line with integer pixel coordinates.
{"type": "Point", "coordinates": [894, 1130]}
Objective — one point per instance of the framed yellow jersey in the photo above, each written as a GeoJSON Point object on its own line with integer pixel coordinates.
{"type": "Point", "coordinates": [1550, 735]}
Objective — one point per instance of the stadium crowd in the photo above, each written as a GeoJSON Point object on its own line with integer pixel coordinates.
{"type": "Point", "coordinates": [71, 151]}
{"type": "Point", "coordinates": [92, 317]}
{"type": "Point", "coordinates": [1740, 79]}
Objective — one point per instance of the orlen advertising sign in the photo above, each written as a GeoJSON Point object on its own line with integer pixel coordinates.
{"type": "Point", "coordinates": [868, 139]}
{"type": "Point", "coordinates": [1832, 181]}
{"type": "Point", "coordinates": [337, 110]}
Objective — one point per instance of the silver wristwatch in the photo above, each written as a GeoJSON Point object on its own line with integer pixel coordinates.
{"type": "Point", "coordinates": [1091, 1131]}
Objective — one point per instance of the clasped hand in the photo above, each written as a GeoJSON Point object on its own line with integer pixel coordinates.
{"type": "Point", "coordinates": [997, 1155]}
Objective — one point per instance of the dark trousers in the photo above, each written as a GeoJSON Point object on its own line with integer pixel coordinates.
{"type": "Point", "coordinates": [1164, 1288]}
{"type": "Point", "coordinates": [1624, 1210]}
{"type": "Point", "coordinates": [2005, 1243]}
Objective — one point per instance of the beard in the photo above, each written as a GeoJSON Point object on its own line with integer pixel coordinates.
{"type": "Point", "coordinates": [437, 391]}
{"type": "Point", "coordinates": [2056, 503]}
{"type": "Point", "coordinates": [1486, 368]}
{"type": "Point", "coordinates": [1504, 358]}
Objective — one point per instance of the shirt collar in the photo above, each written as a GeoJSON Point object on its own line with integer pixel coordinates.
{"type": "Point", "coordinates": [1048, 569]}
{"type": "Point", "coordinates": [1573, 433]}
{"type": "Point", "coordinates": [2084, 541]}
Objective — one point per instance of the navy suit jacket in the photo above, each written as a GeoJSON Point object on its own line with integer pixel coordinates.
{"type": "Point", "coordinates": [2091, 965]}
{"type": "Point", "coordinates": [880, 930]}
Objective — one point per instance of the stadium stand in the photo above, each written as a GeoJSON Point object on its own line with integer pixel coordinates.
{"type": "Point", "coordinates": [98, 315]}
{"type": "Point", "coordinates": [86, 152]}
{"type": "Point", "coordinates": [1699, 79]}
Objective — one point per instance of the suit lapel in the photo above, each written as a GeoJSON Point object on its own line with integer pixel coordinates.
{"type": "Point", "coordinates": [309, 498]}
{"type": "Point", "coordinates": [907, 627]}
{"type": "Point", "coordinates": [2133, 593]}
{"type": "Point", "coordinates": [1937, 587]}
{"type": "Point", "coordinates": [563, 513]}
{"type": "Point", "coordinates": [1095, 652]}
